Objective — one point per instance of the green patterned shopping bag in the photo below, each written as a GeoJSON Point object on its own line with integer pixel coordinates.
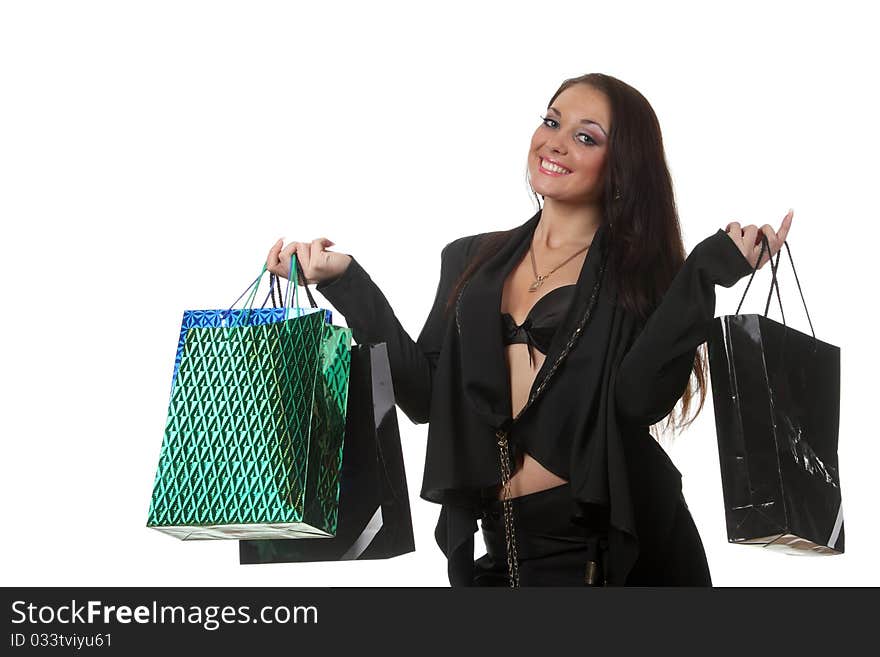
{"type": "Point", "coordinates": [254, 434]}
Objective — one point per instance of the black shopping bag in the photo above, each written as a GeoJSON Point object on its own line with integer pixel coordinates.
{"type": "Point", "coordinates": [776, 393]}
{"type": "Point", "coordinates": [374, 512]}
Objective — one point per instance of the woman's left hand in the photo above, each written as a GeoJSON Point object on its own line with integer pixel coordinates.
{"type": "Point", "coordinates": [748, 239]}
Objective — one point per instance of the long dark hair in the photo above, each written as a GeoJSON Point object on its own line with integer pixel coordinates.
{"type": "Point", "coordinates": [645, 247]}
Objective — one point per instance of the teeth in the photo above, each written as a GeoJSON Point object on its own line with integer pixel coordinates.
{"type": "Point", "coordinates": [552, 167]}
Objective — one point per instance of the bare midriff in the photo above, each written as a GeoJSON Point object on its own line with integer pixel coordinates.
{"type": "Point", "coordinates": [527, 474]}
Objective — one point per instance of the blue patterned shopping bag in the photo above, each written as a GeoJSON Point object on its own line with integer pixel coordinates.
{"type": "Point", "coordinates": [247, 316]}
{"type": "Point", "coordinates": [255, 428]}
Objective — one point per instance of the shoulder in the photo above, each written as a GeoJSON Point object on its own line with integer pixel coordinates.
{"type": "Point", "coordinates": [461, 249]}
{"type": "Point", "coordinates": [465, 243]}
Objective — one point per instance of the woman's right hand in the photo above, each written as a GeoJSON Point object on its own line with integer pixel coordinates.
{"type": "Point", "coordinates": [318, 264]}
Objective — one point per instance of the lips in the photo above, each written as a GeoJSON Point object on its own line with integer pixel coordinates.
{"type": "Point", "coordinates": [549, 172]}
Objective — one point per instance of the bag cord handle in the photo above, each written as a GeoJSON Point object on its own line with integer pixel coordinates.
{"type": "Point", "coordinates": [300, 274]}
{"type": "Point", "coordinates": [274, 285]}
{"type": "Point", "coordinates": [774, 283]}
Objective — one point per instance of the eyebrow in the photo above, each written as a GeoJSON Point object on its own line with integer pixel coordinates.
{"type": "Point", "coordinates": [596, 123]}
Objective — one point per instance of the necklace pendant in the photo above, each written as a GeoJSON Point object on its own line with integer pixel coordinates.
{"type": "Point", "coordinates": [538, 283]}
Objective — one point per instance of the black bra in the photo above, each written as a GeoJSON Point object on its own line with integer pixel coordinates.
{"type": "Point", "coordinates": [542, 321]}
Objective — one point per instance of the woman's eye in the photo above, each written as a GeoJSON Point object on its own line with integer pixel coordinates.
{"type": "Point", "coordinates": [551, 123]}
{"type": "Point", "coordinates": [591, 140]}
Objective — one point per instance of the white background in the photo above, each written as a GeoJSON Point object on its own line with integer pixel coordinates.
{"type": "Point", "coordinates": [152, 152]}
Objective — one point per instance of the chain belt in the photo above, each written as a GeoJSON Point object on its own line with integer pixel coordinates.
{"type": "Point", "coordinates": [593, 575]}
{"type": "Point", "coordinates": [509, 532]}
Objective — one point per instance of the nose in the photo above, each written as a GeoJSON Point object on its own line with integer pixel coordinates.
{"type": "Point", "coordinates": [556, 144]}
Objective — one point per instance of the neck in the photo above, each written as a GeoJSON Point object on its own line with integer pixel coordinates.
{"type": "Point", "coordinates": [565, 226]}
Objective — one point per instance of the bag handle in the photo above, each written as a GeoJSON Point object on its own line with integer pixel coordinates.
{"type": "Point", "coordinates": [274, 285]}
{"type": "Point", "coordinates": [295, 264]}
{"type": "Point", "coordinates": [252, 288]}
{"type": "Point", "coordinates": [774, 283]}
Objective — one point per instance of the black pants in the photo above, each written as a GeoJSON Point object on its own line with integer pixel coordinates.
{"type": "Point", "coordinates": [681, 561]}
{"type": "Point", "coordinates": [552, 550]}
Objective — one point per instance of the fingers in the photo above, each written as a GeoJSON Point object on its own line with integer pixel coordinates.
{"type": "Point", "coordinates": [772, 241]}
{"type": "Point", "coordinates": [284, 259]}
{"type": "Point", "coordinates": [319, 256]}
{"type": "Point", "coordinates": [279, 259]}
{"type": "Point", "coordinates": [303, 255]}
{"type": "Point", "coordinates": [751, 243]}
{"type": "Point", "coordinates": [285, 256]}
{"type": "Point", "coordinates": [784, 228]}
{"type": "Point", "coordinates": [287, 253]}
{"type": "Point", "coordinates": [319, 243]}
{"type": "Point", "coordinates": [750, 239]}
{"type": "Point", "coordinates": [272, 257]}
{"type": "Point", "coordinates": [311, 256]}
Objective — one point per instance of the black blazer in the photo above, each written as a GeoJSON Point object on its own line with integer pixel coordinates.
{"type": "Point", "coordinates": [606, 378]}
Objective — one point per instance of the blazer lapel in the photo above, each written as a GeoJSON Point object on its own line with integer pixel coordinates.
{"type": "Point", "coordinates": [485, 375]}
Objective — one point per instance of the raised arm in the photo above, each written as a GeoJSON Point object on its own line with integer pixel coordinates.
{"type": "Point", "coordinates": [655, 371]}
{"type": "Point", "coordinates": [371, 318]}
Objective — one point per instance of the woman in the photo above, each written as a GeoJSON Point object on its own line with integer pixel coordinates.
{"type": "Point", "coordinates": [550, 350]}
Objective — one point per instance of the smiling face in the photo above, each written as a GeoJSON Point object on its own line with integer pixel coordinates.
{"type": "Point", "coordinates": [573, 136]}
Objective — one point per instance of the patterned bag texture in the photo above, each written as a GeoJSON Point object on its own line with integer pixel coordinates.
{"type": "Point", "coordinates": [374, 513]}
{"type": "Point", "coordinates": [254, 433]}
